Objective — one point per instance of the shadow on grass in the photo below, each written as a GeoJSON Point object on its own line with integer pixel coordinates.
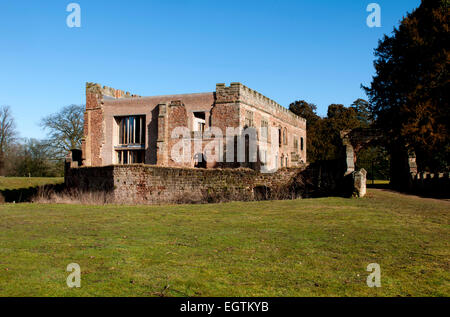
{"type": "Point", "coordinates": [424, 193]}
{"type": "Point", "coordinates": [26, 195]}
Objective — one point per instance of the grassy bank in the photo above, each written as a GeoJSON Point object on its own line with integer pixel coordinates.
{"type": "Point", "coordinates": [316, 247]}
{"type": "Point", "coordinates": [11, 183]}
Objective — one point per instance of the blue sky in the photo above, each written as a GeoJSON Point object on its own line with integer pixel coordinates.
{"type": "Point", "coordinates": [319, 51]}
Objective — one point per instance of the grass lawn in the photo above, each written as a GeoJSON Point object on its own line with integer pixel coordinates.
{"type": "Point", "coordinates": [314, 247]}
{"type": "Point", "coordinates": [378, 182]}
{"type": "Point", "coordinates": [26, 182]}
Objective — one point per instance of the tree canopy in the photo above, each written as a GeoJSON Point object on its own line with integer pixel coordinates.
{"type": "Point", "coordinates": [8, 134]}
{"type": "Point", "coordinates": [409, 93]}
{"type": "Point", "coordinates": [65, 129]}
{"type": "Point", "coordinates": [323, 134]}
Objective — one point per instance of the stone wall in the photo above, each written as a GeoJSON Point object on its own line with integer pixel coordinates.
{"type": "Point", "coordinates": [434, 185]}
{"type": "Point", "coordinates": [145, 184]}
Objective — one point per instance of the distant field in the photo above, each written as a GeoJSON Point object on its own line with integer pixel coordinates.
{"type": "Point", "coordinates": [11, 183]}
{"type": "Point", "coordinates": [314, 247]}
{"type": "Point", "coordinates": [379, 182]}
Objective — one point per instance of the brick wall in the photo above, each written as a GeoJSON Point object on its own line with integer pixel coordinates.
{"type": "Point", "coordinates": [144, 184]}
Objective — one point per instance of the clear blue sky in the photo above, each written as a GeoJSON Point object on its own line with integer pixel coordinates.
{"type": "Point", "coordinates": [320, 51]}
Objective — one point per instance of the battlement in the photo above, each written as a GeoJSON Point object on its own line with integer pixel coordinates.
{"type": "Point", "coordinates": [240, 91]}
{"type": "Point", "coordinates": [108, 91]}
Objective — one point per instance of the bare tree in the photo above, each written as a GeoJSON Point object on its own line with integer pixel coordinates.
{"type": "Point", "coordinates": [8, 134]}
{"type": "Point", "coordinates": [65, 129]}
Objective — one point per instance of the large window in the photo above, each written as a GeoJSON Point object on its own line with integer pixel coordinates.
{"type": "Point", "coordinates": [131, 142]}
{"type": "Point", "coordinates": [131, 130]}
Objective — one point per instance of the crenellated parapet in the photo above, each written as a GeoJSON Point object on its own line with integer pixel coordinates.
{"type": "Point", "coordinates": [238, 92]}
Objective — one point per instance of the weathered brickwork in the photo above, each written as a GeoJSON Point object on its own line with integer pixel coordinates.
{"type": "Point", "coordinates": [227, 107]}
{"type": "Point", "coordinates": [143, 184]}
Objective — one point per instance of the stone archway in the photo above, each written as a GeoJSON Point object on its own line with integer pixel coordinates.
{"type": "Point", "coordinates": [354, 141]}
{"type": "Point", "coordinates": [403, 162]}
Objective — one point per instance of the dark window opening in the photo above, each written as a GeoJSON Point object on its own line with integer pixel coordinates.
{"type": "Point", "coordinates": [131, 157]}
{"type": "Point", "coordinates": [280, 137]}
{"type": "Point", "coordinates": [200, 115]}
{"type": "Point", "coordinates": [200, 160]}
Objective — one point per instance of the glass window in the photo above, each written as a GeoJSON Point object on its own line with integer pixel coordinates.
{"type": "Point", "coordinates": [131, 143]}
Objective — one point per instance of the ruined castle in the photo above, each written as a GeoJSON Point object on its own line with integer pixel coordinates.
{"type": "Point", "coordinates": [121, 128]}
{"type": "Point", "coordinates": [229, 144]}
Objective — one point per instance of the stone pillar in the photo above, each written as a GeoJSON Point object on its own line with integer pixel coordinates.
{"type": "Point", "coordinates": [349, 152]}
{"type": "Point", "coordinates": [360, 182]}
{"type": "Point", "coordinates": [162, 155]}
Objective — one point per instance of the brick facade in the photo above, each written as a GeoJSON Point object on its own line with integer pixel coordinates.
{"type": "Point", "coordinates": [236, 106]}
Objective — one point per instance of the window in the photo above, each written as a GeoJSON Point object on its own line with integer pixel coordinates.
{"type": "Point", "coordinates": [130, 157]}
{"type": "Point", "coordinates": [248, 119]}
{"type": "Point", "coordinates": [296, 144]}
{"type": "Point", "coordinates": [130, 147]}
{"type": "Point", "coordinates": [285, 138]}
{"type": "Point", "coordinates": [199, 122]}
{"type": "Point", "coordinates": [131, 130]}
{"type": "Point", "coordinates": [280, 137]}
{"type": "Point", "coordinates": [286, 161]}
{"type": "Point", "coordinates": [301, 144]}
{"type": "Point", "coordinates": [264, 129]}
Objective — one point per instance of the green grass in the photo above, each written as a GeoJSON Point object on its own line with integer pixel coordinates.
{"type": "Point", "coordinates": [11, 183]}
{"type": "Point", "coordinates": [316, 247]}
{"type": "Point", "coordinates": [378, 182]}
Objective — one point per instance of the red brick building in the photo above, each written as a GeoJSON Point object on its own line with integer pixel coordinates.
{"type": "Point", "coordinates": [204, 129]}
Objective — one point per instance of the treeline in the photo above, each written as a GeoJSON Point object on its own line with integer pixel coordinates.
{"type": "Point", "coordinates": [408, 101]}
{"type": "Point", "coordinates": [409, 93]}
{"type": "Point", "coordinates": [32, 158]}
{"type": "Point", "coordinates": [24, 157]}
{"type": "Point", "coordinates": [324, 134]}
